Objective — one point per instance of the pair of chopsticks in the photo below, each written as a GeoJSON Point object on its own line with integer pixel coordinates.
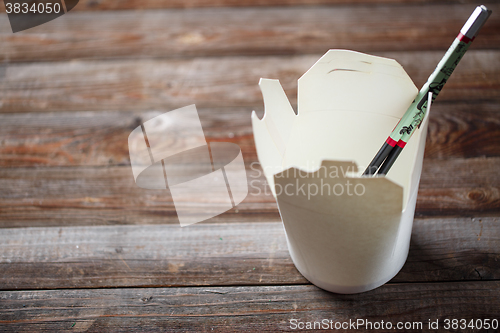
{"type": "Point", "coordinates": [414, 116]}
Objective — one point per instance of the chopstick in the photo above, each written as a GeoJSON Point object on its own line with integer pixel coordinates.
{"type": "Point", "coordinates": [411, 120]}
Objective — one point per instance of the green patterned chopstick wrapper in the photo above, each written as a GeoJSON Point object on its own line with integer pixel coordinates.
{"type": "Point", "coordinates": [415, 114]}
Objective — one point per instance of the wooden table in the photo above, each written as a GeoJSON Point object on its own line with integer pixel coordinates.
{"type": "Point", "coordinates": [82, 248]}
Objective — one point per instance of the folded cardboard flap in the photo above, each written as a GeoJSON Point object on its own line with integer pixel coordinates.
{"type": "Point", "coordinates": [348, 103]}
{"type": "Point", "coordinates": [348, 80]}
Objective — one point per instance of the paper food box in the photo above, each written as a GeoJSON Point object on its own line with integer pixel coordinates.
{"type": "Point", "coordinates": [346, 233]}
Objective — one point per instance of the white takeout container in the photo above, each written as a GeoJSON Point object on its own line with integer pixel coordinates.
{"type": "Point", "coordinates": [348, 104]}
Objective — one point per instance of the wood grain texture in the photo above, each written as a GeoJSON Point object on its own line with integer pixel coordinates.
{"type": "Point", "coordinates": [459, 187]}
{"type": "Point", "coordinates": [95, 196]}
{"type": "Point", "coordinates": [94, 5]}
{"type": "Point", "coordinates": [467, 129]}
{"type": "Point", "coordinates": [65, 196]}
{"type": "Point", "coordinates": [242, 309]}
{"type": "Point", "coordinates": [244, 32]}
{"type": "Point", "coordinates": [456, 130]}
{"type": "Point", "coordinates": [450, 249]}
{"type": "Point", "coordinates": [141, 85]}
{"type": "Point", "coordinates": [101, 138]}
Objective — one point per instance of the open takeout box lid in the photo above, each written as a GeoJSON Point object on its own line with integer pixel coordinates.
{"type": "Point", "coordinates": [348, 103]}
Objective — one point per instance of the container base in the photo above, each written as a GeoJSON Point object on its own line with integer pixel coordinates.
{"type": "Point", "coordinates": [343, 289]}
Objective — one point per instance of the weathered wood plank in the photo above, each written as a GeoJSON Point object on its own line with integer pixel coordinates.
{"type": "Point", "coordinates": [95, 196]}
{"type": "Point", "coordinates": [459, 187]}
{"type": "Point", "coordinates": [463, 130]}
{"type": "Point", "coordinates": [244, 31]}
{"type": "Point", "coordinates": [456, 129]}
{"type": "Point", "coordinates": [245, 309]}
{"type": "Point", "coordinates": [92, 5]}
{"type": "Point", "coordinates": [101, 138]}
{"type": "Point", "coordinates": [94, 257]}
{"type": "Point", "coordinates": [58, 196]}
{"type": "Point", "coordinates": [208, 82]}
{"type": "Point", "coordinates": [450, 249]}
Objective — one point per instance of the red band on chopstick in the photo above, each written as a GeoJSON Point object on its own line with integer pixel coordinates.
{"type": "Point", "coordinates": [391, 142]}
{"type": "Point", "coordinates": [401, 144]}
{"type": "Point", "coordinates": [464, 38]}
